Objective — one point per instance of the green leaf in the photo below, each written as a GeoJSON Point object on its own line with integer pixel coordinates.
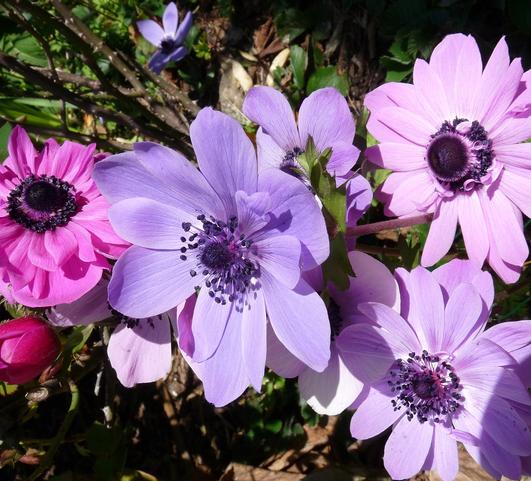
{"type": "Point", "coordinates": [23, 110]}
{"type": "Point", "coordinates": [337, 268]}
{"type": "Point", "coordinates": [27, 49]}
{"type": "Point", "coordinates": [327, 77]}
{"type": "Point", "coordinates": [78, 337]}
{"type": "Point", "coordinates": [299, 62]}
{"type": "Point", "coordinates": [5, 130]}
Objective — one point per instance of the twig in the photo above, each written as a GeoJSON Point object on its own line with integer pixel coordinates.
{"type": "Point", "coordinates": [375, 227]}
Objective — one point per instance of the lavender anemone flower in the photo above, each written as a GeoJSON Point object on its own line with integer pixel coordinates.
{"type": "Point", "coordinates": [453, 139]}
{"type": "Point", "coordinates": [240, 238]}
{"type": "Point", "coordinates": [436, 377]}
{"type": "Point", "coordinates": [515, 338]}
{"type": "Point", "coordinates": [139, 349]}
{"type": "Point", "coordinates": [336, 388]}
{"type": "Point", "coordinates": [324, 116]}
{"type": "Point", "coordinates": [168, 40]}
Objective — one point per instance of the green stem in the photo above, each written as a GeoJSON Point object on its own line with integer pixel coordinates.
{"type": "Point", "coordinates": [47, 459]}
{"type": "Point", "coordinates": [375, 227]}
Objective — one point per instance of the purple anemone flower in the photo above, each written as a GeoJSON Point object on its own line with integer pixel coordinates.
{"type": "Point", "coordinates": [454, 141]}
{"type": "Point", "coordinates": [336, 388]}
{"type": "Point", "coordinates": [436, 377]}
{"type": "Point", "coordinates": [168, 40]}
{"type": "Point", "coordinates": [239, 237]}
{"type": "Point", "coordinates": [324, 116]}
{"type": "Point", "coordinates": [139, 349]}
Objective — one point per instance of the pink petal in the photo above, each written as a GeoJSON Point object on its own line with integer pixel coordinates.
{"type": "Point", "coordinates": [61, 244]}
{"type": "Point", "coordinates": [431, 94]}
{"type": "Point", "coordinates": [515, 183]}
{"type": "Point", "coordinates": [517, 155]}
{"type": "Point", "coordinates": [511, 131]}
{"type": "Point", "coordinates": [441, 234]}
{"type": "Point", "coordinates": [21, 153]}
{"type": "Point", "coordinates": [409, 126]}
{"type": "Point", "coordinates": [397, 156]}
{"type": "Point", "coordinates": [473, 226]}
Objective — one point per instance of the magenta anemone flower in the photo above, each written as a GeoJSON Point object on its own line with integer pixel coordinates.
{"type": "Point", "coordinates": [168, 39]}
{"type": "Point", "coordinates": [336, 388]}
{"type": "Point", "coordinates": [454, 141]}
{"type": "Point", "coordinates": [435, 376]}
{"type": "Point", "coordinates": [238, 237]}
{"type": "Point", "coordinates": [54, 230]}
{"type": "Point", "coordinates": [139, 349]}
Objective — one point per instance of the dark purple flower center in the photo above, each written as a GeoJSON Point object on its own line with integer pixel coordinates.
{"type": "Point", "coordinates": [458, 153]}
{"type": "Point", "coordinates": [289, 163]}
{"type": "Point", "coordinates": [42, 203]}
{"type": "Point", "coordinates": [426, 387]}
{"type": "Point", "coordinates": [168, 45]}
{"type": "Point", "coordinates": [224, 256]}
{"type": "Point", "coordinates": [448, 157]}
{"type": "Point", "coordinates": [336, 321]}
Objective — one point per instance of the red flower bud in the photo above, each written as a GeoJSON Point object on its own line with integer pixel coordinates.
{"type": "Point", "coordinates": [27, 346]}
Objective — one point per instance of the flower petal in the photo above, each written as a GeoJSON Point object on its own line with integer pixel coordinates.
{"type": "Point", "coordinates": [269, 109]}
{"type": "Point", "coordinates": [446, 459]}
{"type": "Point", "coordinates": [279, 359]}
{"type": "Point", "coordinates": [184, 28]}
{"type": "Point", "coordinates": [147, 282]}
{"type": "Point", "coordinates": [375, 414]}
{"type": "Point", "coordinates": [142, 353]}
{"type": "Point", "coordinates": [270, 154]}
{"type": "Point", "coordinates": [225, 155]}
{"type": "Point", "coordinates": [279, 255]}
{"type": "Point", "coordinates": [332, 391]}
{"type": "Point", "coordinates": [21, 153]}
{"type": "Point", "coordinates": [441, 234]}
{"type": "Point", "coordinates": [407, 448]}
{"type": "Point", "coordinates": [473, 226]}
{"type": "Point", "coordinates": [300, 320]}
{"type": "Point", "coordinates": [515, 183]}
{"type": "Point", "coordinates": [324, 115]}
{"type": "Point", "coordinates": [151, 31]}
{"type": "Point", "coordinates": [170, 19]}
{"type": "Point", "coordinates": [396, 156]}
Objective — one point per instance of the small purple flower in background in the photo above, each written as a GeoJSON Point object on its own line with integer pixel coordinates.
{"type": "Point", "coordinates": [54, 231]}
{"type": "Point", "coordinates": [139, 349]}
{"type": "Point", "coordinates": [27, 347]}
{"type": "Point", "coordinates": [325, 116]}
{"type": "Point", "coordinates": [437, 378]}
{"type": "Point", "coordinates": [336, 388]}
{"type": "Point", "coordinates": [453, 139]}
{"type": "Point", "coordinates": [168, 40]}
{"type": "Point", "coordinates": [239, 237]}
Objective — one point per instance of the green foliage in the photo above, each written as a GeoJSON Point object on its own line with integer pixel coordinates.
{"type": "Point", "coordinates": [327, 77]}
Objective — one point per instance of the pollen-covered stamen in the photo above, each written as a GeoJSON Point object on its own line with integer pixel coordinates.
{"type": "Point", "coordinates": [42, 203]}
{"type": "Point", "coordinates": [224, 256]}
{"type": "Point", "coordinates": [459, 151]}
{"type": "Point", "coordinates": [426, 387]}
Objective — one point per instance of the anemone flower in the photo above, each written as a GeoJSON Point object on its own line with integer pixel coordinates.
{"type": "Point", "coordinates": [336, 388]}
{"type": "Point", "coordinates": [434, 375]}
{"type": "Point", "coordinates": [54, 230]}
{"type": "Point", "coordinates": [239, 238]}
{"type": "Point", "coordinates": [139, 349]}
{"type": "Point", "coordinates": [454, 141]}
{"type": "Point", "coordinates": [168, 39]}
{"type": "Point", "coordinates": [325, 116]}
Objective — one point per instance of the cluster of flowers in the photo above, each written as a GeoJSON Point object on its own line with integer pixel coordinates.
{"type": "Point", "coordinates": [226, 258]}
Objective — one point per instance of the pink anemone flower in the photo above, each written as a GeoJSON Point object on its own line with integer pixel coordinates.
{"type": "Point", "coordinates": [453, 140]}
{"type": "Point", "coordinates": [54, 231]}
